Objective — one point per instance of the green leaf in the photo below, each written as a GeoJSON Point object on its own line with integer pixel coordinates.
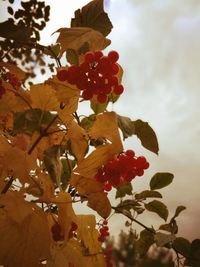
{"type": "Point", "coordinates": [67, 167]}
{"type": "Point", "coordinates": [28, 121]}
{"type": "Point", "coordinates": [53, 163]}
{"type": "Point", "coordinates": [72, 56]}
{"type": "Point", "coordinates": [160, 180]}
{"type": "Point", "coordinates": [148, 194]}
{"type": "Point", "coordinates": [146, 135]}
{"type": "Point", "coordinates": [144, 242]}
{"type": "Point", "coordinates": [123, 190]}
{"type": "Point", "coordinates": [93, 15]}
{"type": "Point", "coordinates": [179, 209]}
{"type": "Point", "coordinates": [87, 122]}
{"type": "Point", "coordinates": [163, 239]}
{"type": "Point", "coordinates": [128, 204]}
{"type": "Point", "coordinates": [171, 227]}
{"type": "Point", "coordinates": [157, 207]}
{"type": "Point", "coordinates": [98, 107]}
{"type": "Point", "coordinates": [9, 30]}
{"type": "Point", "coordinates": [182, 246]}
{"type": "Point", "coordinates": [126, 125]}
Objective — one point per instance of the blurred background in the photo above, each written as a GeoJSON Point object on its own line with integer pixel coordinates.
{"type": "Point", "coordinates": [158, 42]}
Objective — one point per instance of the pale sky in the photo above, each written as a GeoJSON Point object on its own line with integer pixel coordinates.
{"type": "Point", "coordinates": [158, 42]}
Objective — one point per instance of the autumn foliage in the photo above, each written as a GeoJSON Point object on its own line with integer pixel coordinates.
{"type": "Point", "coordinates": [52, 157]}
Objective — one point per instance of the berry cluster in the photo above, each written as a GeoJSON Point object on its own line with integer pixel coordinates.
{"type": "Point", "coordinates": [2, 89]}
{"type": "Point", "coordinates": [96, 76]}
{"type": "Point", "coordinates": [104, 231]}
{"type": "Point", "coordinates": [108, 257]}
{"type": "Point", "coordinates": [12, 79]}
{"type": "Point", "coordinates": [121, 169]}
{"type": "Point", "coordinates": [56, 232]}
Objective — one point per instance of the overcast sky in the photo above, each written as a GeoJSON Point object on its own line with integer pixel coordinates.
{"type": "Point", "coordinates": [158, 42]}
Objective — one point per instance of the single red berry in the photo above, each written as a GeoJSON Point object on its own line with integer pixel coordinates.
{"type": "Point", "coordinates": [107, 89]}
{"type": "Point", "coordinates": [89, 57]}
{"type": "Point", "coordinates": [107, 187]}
{"type": "Point", "coordinates": [102, 98]}
{"type": "Point", "coordinates": [113, 80]}
{"type": "Point", "coordinates": [146, 166]}
{"type": "Point", "coordinates": [114, 69]}
{"type": "Point", "coordinates": [118, 90]}
{"type": "Point", "coordinates": [105, 222]}
{"type": "Point", "coordinates": [140, 172]}
{"type": "Point", "coordinates": [87, 95]}
{"type": "Point", "coordinates": [62, 75]}
{"type": "Point", "coordinates": [130, 153]}
{"type": "Point", "coordinates": [141, 162]}
{"type": "Point", "coordinates": [97, 55]}
{"type": "Point", "coordinates": [113, 56]}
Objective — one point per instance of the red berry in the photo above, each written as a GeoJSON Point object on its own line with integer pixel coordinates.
{"type": "Point", "coordinates": [114, 69]}
{"type": "Point", "coordinates": [146, 166]}
{"type": "Point", "coordinates": [118, 90]}
{"type": "Point", "coordinates": [97, 55]}
{"type": "Point", "coordinates": [107, 187]}
{"type": "Point", "coordinates": [140, 172]}
{"type": "Point", "coordinates": [62, 75]}
{"type": "Point", "coordinates": [87, 95]}
{"type": "Point", "coordinates": [107, 89]}
{"type": "Point", "coordinates": [130, 153]}
{"type": "Point", "coordinates": [141, 162]}
{"type": "Point", "coordinates": [102, 98]}
{"type": "Point", "coordinates": [105, 222]}
{"type": "Point", "coordinates": [113, 56]}
{"type": "Point", "coordinates": [89, 57]}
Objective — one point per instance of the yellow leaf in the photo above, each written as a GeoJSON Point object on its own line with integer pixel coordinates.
{"type": "Point", "coordinates": [20, 74]}
{"type": "Point", "coordinates": [100, 203]}
{"type": "Point", "coordinates": [90, 165]}
{"type": "Point", "coordinates": [88, 233]}
{"type": "Point", "coordinates": [16, 162]}
{"type": "Point", "coordinates": [75, 38]}
{"type": "Point", "coordinates": [25, 238]}
{"type": "Point", "coordinates": [77, 136]}
{"type": "Point", "coordinates": [13, 103]}
{"type": "Point", "coordinates": [43, 96]}
{"type": "Point", "coordinates": [66, 214]}
{"type": "Point", "coordinates": [71, 254]}
{"type": "Point", "coordinates": [106, 126]}
{"type": "Point", "coordinates": [65, 93]}
{"type": "Point", "coordinates": [97, 199]}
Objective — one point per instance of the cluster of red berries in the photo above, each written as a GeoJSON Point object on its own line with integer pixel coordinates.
{"type": "Point", "coordinates": [108, 257]}
{"type": "Point", "coordinates": [96, 76]}
{"type": "Point", "coordinates": [12, 79]}
{"type": "Point", "coordinates": [121, 169]}
{"type": "Point", "coordinates": [57, 231]}
{"type": "Point", "coordinates": [2, 89]}
{"type": "Point", "coordinates": [104, 231]}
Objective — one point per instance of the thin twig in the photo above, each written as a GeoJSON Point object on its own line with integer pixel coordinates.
{"type": "Point", "coordinates": [8, 185]}
{"type": "Point", "coordinates": [42, 134]}
{"type": "Point", "coordinates": [134, 220]}
{"type": "Point", "coordinates": [77, 118]}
